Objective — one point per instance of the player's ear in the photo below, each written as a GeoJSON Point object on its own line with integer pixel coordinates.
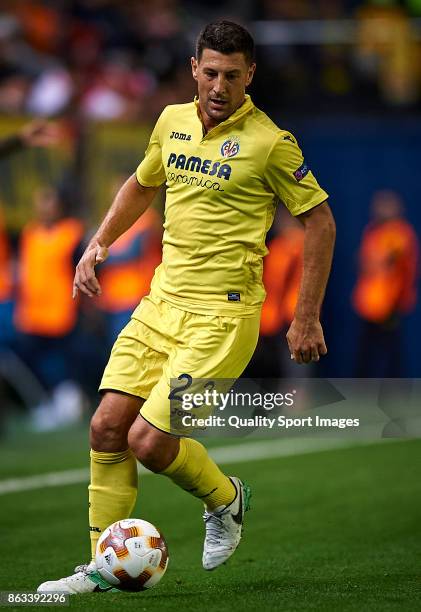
{"type": "Point", "coordinates": [194, 67]}
{"type": "Point", "coordinates": [250, 74]}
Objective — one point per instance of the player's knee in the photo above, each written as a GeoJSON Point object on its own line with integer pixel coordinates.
{"type": "Point", "coordinates": [107, 434]}
{"type": "Point", "coordinates": [150, 450]}
{"type": "Point", "coordinates": [148, 457]}
{"type": "Point", "coordinates": [145, 450]}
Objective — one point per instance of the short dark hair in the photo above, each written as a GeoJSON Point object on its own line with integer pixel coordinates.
{"type": "Point", "coordinates": [226, 37]}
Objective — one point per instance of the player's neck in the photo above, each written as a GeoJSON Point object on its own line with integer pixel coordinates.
{"type": "Point", "coordinates": [209, 123]}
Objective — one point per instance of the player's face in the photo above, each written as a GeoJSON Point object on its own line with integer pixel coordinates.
{"type": "Point", "coordinates": [221, 82]}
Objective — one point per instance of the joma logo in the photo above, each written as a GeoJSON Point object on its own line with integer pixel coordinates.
{"type": "Point", "coordinates": [180, 136]}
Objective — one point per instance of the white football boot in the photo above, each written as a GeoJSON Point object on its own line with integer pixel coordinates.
{"type": "Point", "coordinates": [85, 580]}
{"type": "Point", "coordinates": [224, 526]}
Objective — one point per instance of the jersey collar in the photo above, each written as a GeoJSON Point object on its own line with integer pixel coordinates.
{"type": "Point", "coordinates": [241, 112]}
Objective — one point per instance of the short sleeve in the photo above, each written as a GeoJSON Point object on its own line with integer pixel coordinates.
{"type": "Point", "coordinates": [290, 178]}
{"type": "Point", "coordinates": [151, 171]}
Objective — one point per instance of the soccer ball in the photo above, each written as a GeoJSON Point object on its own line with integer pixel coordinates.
{"type": "Point", "coordinates": [132, 555]}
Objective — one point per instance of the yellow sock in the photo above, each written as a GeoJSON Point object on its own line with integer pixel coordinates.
{"type": "Point", "coordinates": [112, 492]}
{"type": "Point", "coordinates": [194, 471]}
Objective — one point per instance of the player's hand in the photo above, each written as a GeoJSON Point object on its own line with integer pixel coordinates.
{"type": "Point", "coordinates": [305, 341]}
{"type": "Point", "coordinates": [85, 279]}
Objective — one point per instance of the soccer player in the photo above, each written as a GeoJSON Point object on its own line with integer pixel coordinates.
{"type": "Point", "coordinates": [224, 163]}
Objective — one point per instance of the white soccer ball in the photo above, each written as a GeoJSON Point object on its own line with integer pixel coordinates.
{"type": "Point", "coordinates": [132, 555]}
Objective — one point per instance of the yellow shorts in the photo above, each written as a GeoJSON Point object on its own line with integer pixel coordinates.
{"type": "Point", "coordinates": [163, 342]}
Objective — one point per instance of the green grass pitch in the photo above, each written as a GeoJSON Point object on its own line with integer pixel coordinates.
{"type": "Point", "coordinates": [334, 530]}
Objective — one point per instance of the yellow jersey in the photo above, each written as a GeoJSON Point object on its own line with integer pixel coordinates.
{"type": "Point", "coordinates": [222, 188]}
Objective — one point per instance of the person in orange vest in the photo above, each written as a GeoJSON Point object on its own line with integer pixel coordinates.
{"type": "Point", "coordinates": [386, 287]}
{"type": "Point", "coordinates": [282, 270]}
{"type": "Point", "coordinates": [45, 314]}
{"type": "Point", "coordinates": [126, 275]}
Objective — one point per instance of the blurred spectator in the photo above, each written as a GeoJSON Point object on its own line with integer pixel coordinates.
{"type": "Point", "coordinates": [6, 284]}
{"type": "Point", "coordinates": [111, 59]}
{"type": "Point", "coordinates": [126, 274]}
{"type": "Point", "coordinates": [117, 91]}
{"type": "Point", "coordinates": [386, 287]}
{"type": "Point", "coordinates": [282, 271]}
{"type": "Point", "coordinates": [387, 51]}
{"type": "Point", "coordinates": [51, 93]}
{"type": "Point", "coordinates": [41, 24]}
{"type": "Point", "coordinates": [35, 133]}
{"type": "Point", "coordinates": [19, 64]}
{"type": "Point", "coordinates": [46, 315]}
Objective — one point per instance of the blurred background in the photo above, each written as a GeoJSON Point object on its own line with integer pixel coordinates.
{"type": "Point", "coordinates": [344, 76]}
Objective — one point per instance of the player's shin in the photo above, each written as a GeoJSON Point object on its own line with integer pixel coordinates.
{"type": "Point", "coordinates": [194, 471]}
{"type": "Point", "coordinates": [112, 492]}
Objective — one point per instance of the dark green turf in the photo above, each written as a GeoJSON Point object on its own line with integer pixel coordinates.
{"type": "Point", "coordinates": [337, 530]}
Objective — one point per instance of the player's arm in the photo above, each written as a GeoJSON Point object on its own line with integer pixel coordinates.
{"type": "Point", "coordinates": [305, 335]}
{"type": "Point", "coordinates": [130, 202]}
{"type": "Point", "coordinates": [37, 133]}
